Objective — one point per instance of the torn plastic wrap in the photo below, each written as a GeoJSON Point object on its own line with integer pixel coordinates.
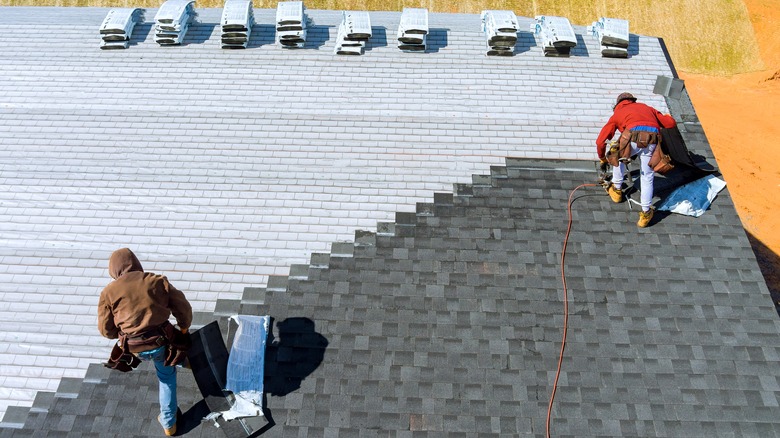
{"type": "Point", "coordinates": [693, 198]}
{"type": "Point", "coordinates": [246, 366]}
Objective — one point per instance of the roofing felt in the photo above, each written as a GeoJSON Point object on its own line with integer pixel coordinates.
{"type": "Point", "coordinates": [221, 168]}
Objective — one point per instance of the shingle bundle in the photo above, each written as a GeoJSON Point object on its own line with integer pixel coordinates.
{"type": "Point", "coordinates": [237, 20]}
{"type": "Point", "coordinates": [291, 25]}
{"type": "Point", "coordinates": [117, 27]}
{"type": "Point", "coordinates": [413, 30]}
{"type": "Point", "coordinates": [354, 31]}
{"type": "Point", "coordinates": [173, 20]}
{"type": "Point", "coordinates": [612, 34]}
{"type": "Point", "coordinates": [556, 33]}
{"type": "Point", "coordinates": [500, 28]}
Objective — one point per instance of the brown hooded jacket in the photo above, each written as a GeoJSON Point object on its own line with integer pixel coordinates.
{"type": "Point", "coordinates": [137, 301]}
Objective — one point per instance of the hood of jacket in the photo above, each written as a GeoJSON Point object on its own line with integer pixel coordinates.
{"type": "Point", "coordinates": [123, 261]}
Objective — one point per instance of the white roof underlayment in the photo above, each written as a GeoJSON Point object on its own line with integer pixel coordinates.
{"type": "Point", "coordinates": [219, 167]}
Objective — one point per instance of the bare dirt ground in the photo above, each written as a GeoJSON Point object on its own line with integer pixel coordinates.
{"type": "Point", "coordinates": [741, 118]}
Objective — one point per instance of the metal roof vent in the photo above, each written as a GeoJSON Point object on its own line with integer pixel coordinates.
{"type": "Point", "coordinates": [118, 26]}
{"type": "Point", "coordinates": [173, 20]}
{"type": "Point", "coordinates": [237, 20]}
{"type": "Point", "coordinates": [612, 34]}
{"type": "Point", "coordinates": [354, 31]}
{"type": "Point", "coordinates": [557, 35]}
{"type": "Point", "coordinates": [291, 25]}
{"type": "Point", "coordinates": [413, 30]}
{"type": "Point", "coordinates": [500, 29]}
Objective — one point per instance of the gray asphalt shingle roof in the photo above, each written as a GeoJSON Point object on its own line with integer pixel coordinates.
{"type": "Point", "coordinates": [220, 168]}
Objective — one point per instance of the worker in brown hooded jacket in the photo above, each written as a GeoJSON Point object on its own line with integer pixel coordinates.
{"type": "Point", "coordinates": [137, 305]}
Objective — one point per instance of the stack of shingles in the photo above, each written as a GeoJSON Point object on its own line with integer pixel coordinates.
{"type": "Point", "coordinates": [118, 26]}
{"type": "Point", "coordinates": [413, 30]}
{"type": "Point", "coordinates": [556, 33]}
{"type": "Point", "coordinates": [354, 31]}
{"type": "Point", "coordinates": [173, 20]}
{"type": "Point", "coordinates": [500, 29]}
{"type": "Point", "coordinates": [237, 20]}
{"type": "Point", "coordinates": [612, 34]}
{"type": "Point", "coordinates": [291, 25]}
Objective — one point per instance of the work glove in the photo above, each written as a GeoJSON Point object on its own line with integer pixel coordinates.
{"type": "Point", "coordinates": [603, 165]}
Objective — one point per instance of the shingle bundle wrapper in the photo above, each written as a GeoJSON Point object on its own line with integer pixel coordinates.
{"type": "Point", "coordinates": [556, 33]}
{"type": "Point", "coordinates": [354, 31]}
{"type": "Point", "coordinates": [413, 30]}
{"type": "Point", "coordinates": [291, 23]}
{"type": "Point", "coordinates": [612, 34]}
{"type": "Point", "coordinates": [117, 27]}
{"type": "Point", "coordinates": [500, 28]}
{"type": "Point", "coordinates": [237, 20]}
{"type": "Point", "coordinates": [173, 20]}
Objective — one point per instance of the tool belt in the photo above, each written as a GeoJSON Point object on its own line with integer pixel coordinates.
{"type": "Point", "coordinates": [176, 345]}
{"type": "Point", "coordinates": [149, 339]}
{"type": "Point", "coordinates": [660, 162]}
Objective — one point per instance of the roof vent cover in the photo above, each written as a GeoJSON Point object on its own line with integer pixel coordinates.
{"type": "Point", "coordinates": [117, 27]}
{"type": "Point", "coordinates": [354, 31]}
{"type": "Point", "coordinates": [413, 30]}
{"type": "Point", "coordinates": [173, 20]}
{"type": "Point", "coordinates": [237, 20]}
{"type": "Point", "coordinates": [556, 33]}
{"type": "Point", "coordinates": [500, 29]}
{"type": "Point", "coordinates": [291, 23]}
{"type": "Point", "coordinates": [613, 36]}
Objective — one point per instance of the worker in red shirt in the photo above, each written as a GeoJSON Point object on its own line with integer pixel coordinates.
{"type": "Point", "coordinates": [639, 127]}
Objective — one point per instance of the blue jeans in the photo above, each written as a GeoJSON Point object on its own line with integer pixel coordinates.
{"type": "Point", "coordinates": [167, 378]}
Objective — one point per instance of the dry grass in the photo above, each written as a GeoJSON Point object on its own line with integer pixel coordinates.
{"type": "Point", "coordinates": [703, 36]}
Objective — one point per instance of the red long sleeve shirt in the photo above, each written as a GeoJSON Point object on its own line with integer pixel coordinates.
{"type": "Point", "coordinates": [629, 115]}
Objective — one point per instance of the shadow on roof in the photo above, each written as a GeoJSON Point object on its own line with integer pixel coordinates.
{"type": "Point", "coordinates": [437, 39]}
{"type": "Point", "coordinates": [199, 33]}
{"type": "Point", "coordinates": [262, 34]}
{"type": "Point", "coordinates": [769, 262]}
{"type": "Point", "coordinates": [525, 40]}
{"type": "Point", "coordinates": [317, 36]}
{"type": "Point", "coordinates": [633, 45]}
{"type": "Point", "coordinates": [378, 38]}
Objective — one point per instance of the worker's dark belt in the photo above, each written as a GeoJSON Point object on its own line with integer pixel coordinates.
{"type": "Point", "coordinates": [148, 339]}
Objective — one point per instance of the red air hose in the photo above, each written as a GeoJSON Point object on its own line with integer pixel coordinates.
{"type": "Point", "coordinates": [565, 307]}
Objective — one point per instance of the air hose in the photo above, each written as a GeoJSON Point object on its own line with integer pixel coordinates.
{"type": "Point", "coordinates": [565, 305]}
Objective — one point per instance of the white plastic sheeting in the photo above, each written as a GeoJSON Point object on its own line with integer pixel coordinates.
{"type": "Point", "coordinates": [117, 27]}
{"type": "Point", "coordinates": [613, 36]}
{"type": "Point", "coordinates": [413, 30]}
{"type": "Point", "coordinates": [556, 34]}
{"type": "Point", "coordinates": [354, 31]}
{"type": "Point", "coordinates": [693, 198]}
{"type": "Point", "coordinates": [500, 28]}
{"type": "Point", "coordinates": [246, 366]}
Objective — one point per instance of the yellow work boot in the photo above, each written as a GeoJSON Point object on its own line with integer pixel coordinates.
{"type": "Point", "coordinates": [644, 218]}
{"type": "Point", "coordinates": [171, 431]}
{"type": "Point", "coordinates": [615, 193]}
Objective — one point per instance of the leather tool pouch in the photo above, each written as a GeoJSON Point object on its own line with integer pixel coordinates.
{"type": "Point", "coordinates": [121, 359]}
{"type": "Point", "coordinates": [660, 162]}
